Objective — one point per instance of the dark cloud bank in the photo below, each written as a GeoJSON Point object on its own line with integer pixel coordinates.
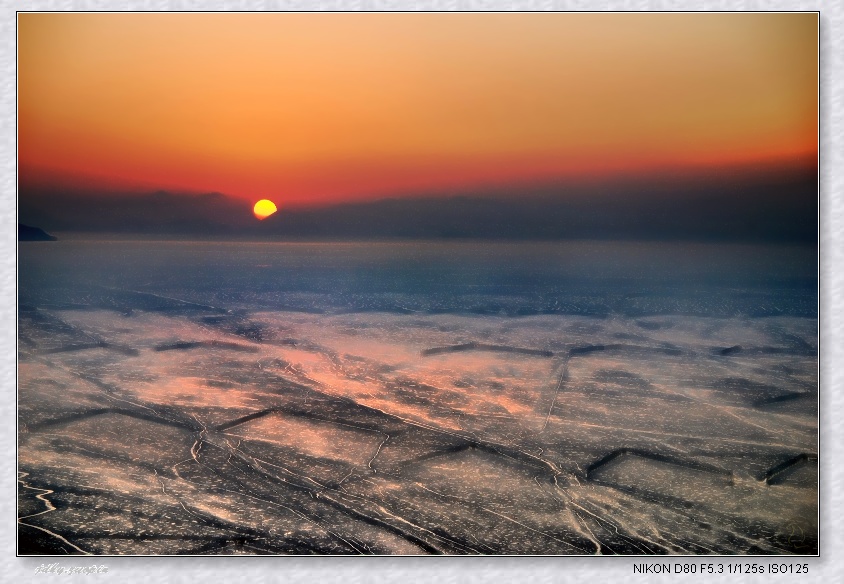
{"type": "Point", "coordinates": [773, 206]}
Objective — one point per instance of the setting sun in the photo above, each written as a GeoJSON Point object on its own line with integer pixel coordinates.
{"type": "Point", "coordinates": [264, 209]}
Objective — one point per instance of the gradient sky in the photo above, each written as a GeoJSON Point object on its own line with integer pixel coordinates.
{"type": "Point", "coordinates": [308, 109]}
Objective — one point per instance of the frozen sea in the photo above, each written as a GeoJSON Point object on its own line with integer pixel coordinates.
{"type": "Point", "coordinates": [181, 397]}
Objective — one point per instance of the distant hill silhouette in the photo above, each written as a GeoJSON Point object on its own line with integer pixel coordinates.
{"type": "Point", "coordinates": [27, 233]}
{"type": "Point", "coordinates": [774, 205]}
{"type": "Point", "coordinates": [149, 213]}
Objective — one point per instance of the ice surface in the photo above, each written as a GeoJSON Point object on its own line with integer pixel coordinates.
{"type": "Point", "coordinates": [171, 403]}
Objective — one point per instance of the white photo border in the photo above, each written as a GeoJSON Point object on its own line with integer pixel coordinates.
{"type": "Point", "coordinates": [532, 570]}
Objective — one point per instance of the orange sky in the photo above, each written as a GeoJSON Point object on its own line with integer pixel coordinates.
{"type": "Point", "coordinates": [316, 108]}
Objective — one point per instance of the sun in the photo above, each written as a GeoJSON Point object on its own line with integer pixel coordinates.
{"type": "Point", "coordinates": [264, 209]}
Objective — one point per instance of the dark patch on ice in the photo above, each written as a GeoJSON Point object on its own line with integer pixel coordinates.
{"type": "Point", "coordinates": [340, 411]}
{"type": "Point", "coordinates": [484, 347]}
{"type": "Point", "coordinates": [451, 449]}
{"type": "Point", "coordinates": [619, 347]}
{"type": "Point", "coordinates": [750, 393]}
{"type": "Point", "coordinates": [777, 474]}
{"type": "Point", "coordinates": [241, 326]}
{"type": "Point", "coordinates": [251, 331]}
{"type": "Point", "coordinates": [747, 385]}
{"type": "Point", "coordinates": [281, 342]}
{"type": "Point", "coordinates": [246, 418]}
{"type": "Point", "coordinates": [784, 398]}
{"type": "Point", "coordinates": [687, 463]}
{"type": "Point", "coordinates": [587, 349]}
{"type": "Point", "coordinates": [765, 350]}
{"type": "Point", "coordinates": [727, 350]}
{"type": "Point", "coordinates": [186, 345]}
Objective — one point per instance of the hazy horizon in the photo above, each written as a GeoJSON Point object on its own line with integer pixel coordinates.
{"type": "Point", "coordinates": [747, 204]}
